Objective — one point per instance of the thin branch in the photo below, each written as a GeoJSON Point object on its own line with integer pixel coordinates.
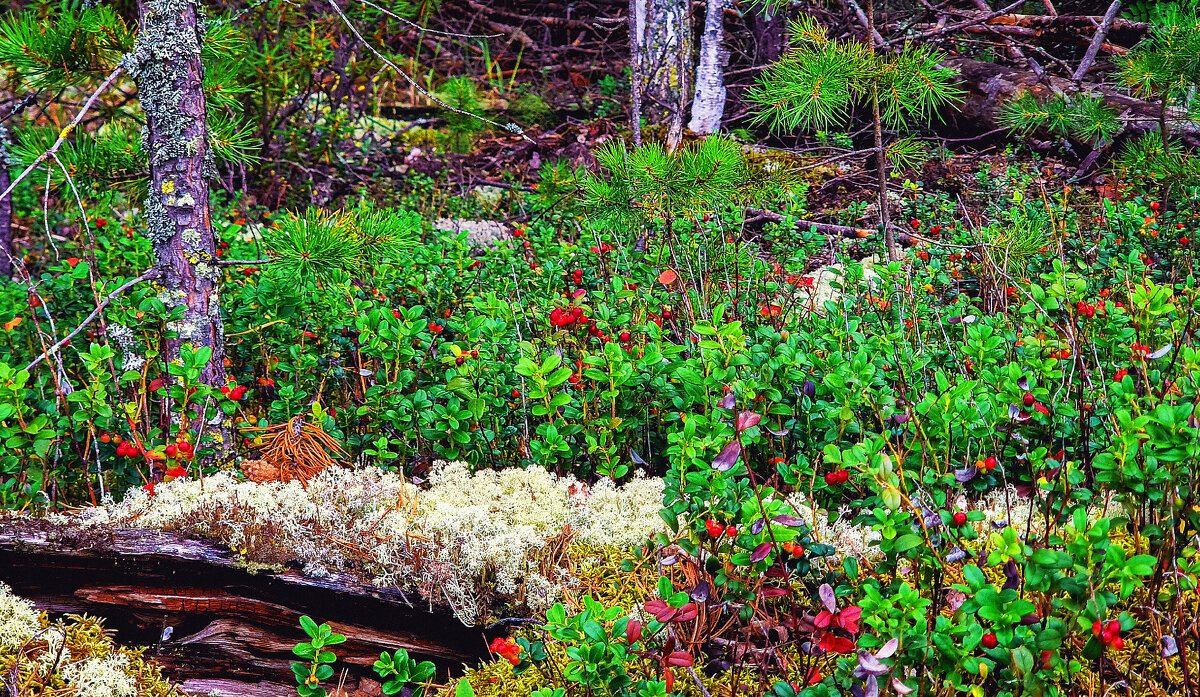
{"type": "Point", "coordinates": [427, 30]}
{"type": "Point", "coordinates": [242, 262]}
{"type": "Point", "coordinates": [967, 23]}
{"type": "Point", "coordinates": [146, 276]}
{"type": "Point", "coordinates": [62, 136]}
{"type": "Point", "coordinates": [1097, 41]}
{"type": "Point", "coordinates": [510, 127]}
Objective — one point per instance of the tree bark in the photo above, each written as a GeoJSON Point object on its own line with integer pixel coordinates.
{"type": "Point", "coordinates": [708, 106]}
{"type": "Point", "coordinates": [166, 65]}
{"type": "Point", "coordinates": [665, 62]}
{"type": "Point", "coordinates": [231, 630]}
{"type": "Point", "coordinates": [6, 248]}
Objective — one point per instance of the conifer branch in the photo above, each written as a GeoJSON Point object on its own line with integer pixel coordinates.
{"type": "Point", "coordinates": [62, 136]}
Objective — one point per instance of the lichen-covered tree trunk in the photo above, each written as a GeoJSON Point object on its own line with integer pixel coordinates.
{"type": "Point", "coordinates": [166, 64]}
{"type": "Point", "coordinates": [6, 250]}
{"type": "Point", "coordinates": [708, 106]}
{"type": "Point", "coordinates": [664, 60]}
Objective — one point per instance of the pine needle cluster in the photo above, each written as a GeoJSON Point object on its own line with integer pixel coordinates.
{"type": "Point", "coordinates": [816, 84]}
{"type": "Point", "coordinates": [329, 246]}
{"type": "Point", "coordinates": [634, 187]}
{"type": "Point", "coordinates": [63, 47]}
{"type": "Point", "coordinates": [1083, 117]}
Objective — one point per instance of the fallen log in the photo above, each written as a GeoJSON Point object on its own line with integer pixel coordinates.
{"type": "Point", "coordinates": [989, 86]}
{"type": "Point", "coordinates": [214, 625]}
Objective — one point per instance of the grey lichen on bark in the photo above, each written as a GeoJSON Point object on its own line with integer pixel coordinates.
{"type": "Point", "coordinates": [708, 106]}
{"type": "Point", "coordinates": [166, 64]}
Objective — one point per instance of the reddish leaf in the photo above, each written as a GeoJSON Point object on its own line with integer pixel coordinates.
{"type": "Point", "coordinates": [761, 552]}
{"type": "Point", "coordinates": [679, 659]}
{"type": "Point", "coordinates": [728, 457]}
{"type": "Point", "coordinates": [668, 277]}
{"type": "Point", "coordinates": [746, 419]}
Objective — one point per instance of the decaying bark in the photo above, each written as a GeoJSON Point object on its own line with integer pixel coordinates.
{"type": "Point", "coordinates": [229, 630]}
{"type": "Point", "coordinates": [166, 65]}
{"type": "Point", "coordinates": [708, 106]}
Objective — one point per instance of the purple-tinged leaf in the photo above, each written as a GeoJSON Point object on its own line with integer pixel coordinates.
{"type": "Point", "coordinates": [900, 688]}
{"type": "Point", "coordinates": [888, 649]}
{"type": "Point", "coordinates": [901, 417]}
{"type": "Point", "coordinates": [669, 560]}
{"type": "Point", "coordinates": [780, 433]}
{"type": "Point", "coordinates": [969, 319]}
{"type": "Point", "coordinates": [1160, 353]}
{"type": "Point", "coordinates": [728, 457]}
{"type": "Point", "coordinates": [1170, 648]}
{"type": "Point", "coordinates": [729, 401]}
{"type": "Point", "coordinates": [956, 555]}
{"type": "Point", "coordinates": [637, 459]}
{"type": "Point", "coordinates": [1023, 383]}
{"type": "Point", "coordinates": [758, 525]}
{"type": "Point", "coordinates": [827, 597]}
{"type": "Point", "coordinates": [1012, 576]}
{"type": "Point", "coordinates": [872, 687]}
{"type": "Point", "coordinates": [746, 419]}
{"type": "Point", "coordinates": [700, 592]}
{"type": "Point", "coordinates": [954, 320]}
{"type": "Point", "coordinates": [869, 665]}
{"type": "Point", "coordinates": [810, 389]}
{"type": "Point", "coordinates": [773, 592]}
{"type": "Point", "coordinates": [965, 474]}
{"type": "Point", "coordinates": [761, 552]}
{"type": "Point", "coordinates": [789, 520]}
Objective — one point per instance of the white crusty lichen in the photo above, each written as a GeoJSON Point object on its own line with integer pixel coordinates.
{"type": "Point", "coordinates": [466, 539]}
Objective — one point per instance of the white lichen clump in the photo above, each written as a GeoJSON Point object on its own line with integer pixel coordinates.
{"type": "Point", "coordinates": [467, 537]}
{"type": "Point", "coordinates": [101, 677]}
{"type": "Point", "coordinates": [18, 619]}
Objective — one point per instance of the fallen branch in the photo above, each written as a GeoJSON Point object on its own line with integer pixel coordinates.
{"type": "Point", "coordinates": [1097, 41]}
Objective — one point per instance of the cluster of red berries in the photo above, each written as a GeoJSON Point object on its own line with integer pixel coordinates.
{"type": "Point", "coordinates": [836, 477]}
{"type": "Point", "coordinates": [565, 317]}
{"type": "Point", "coordinates": [435, 328]}
{"type": "Point", "coordinates": [507, 649]}
{"type": "Point", "coordinates": [1029, 401]}
{"type": "Point", "coordinates": [1139, 349]}
{"type": "Point", "coordinates": [577, 276]}
{"type": "Point", "coordinates": [235, 393]}
{"type": "Point", "coordinates": [126, 448]}
{"type": "Point", "coordinates": [793, 549]}
{"type": "Point", "coordinates": [1109, 634]}
{"type": "Point", "coordinates": [1120, 375]}
{"type": "Point", "coordinates": [181, 449]}
{"type": "Point", "coordinates": [716, 529]}
{"type": "Point", "coordinates": [1089, 310]}
{"type": "Point", "coordinates": [604, 248]}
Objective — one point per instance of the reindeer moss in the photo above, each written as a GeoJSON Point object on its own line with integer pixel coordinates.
{"type": "Point", "coordinates": [74, 656]}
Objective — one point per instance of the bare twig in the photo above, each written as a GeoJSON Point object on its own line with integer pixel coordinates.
{"type": "Point", "coordinates": [95, 313]}
{"type": "Point", "coordinates": [62, 136]}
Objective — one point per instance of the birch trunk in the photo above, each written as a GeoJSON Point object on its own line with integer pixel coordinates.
{"type": "Point", "coordinates": [708, 106]}
{"type": "Point", "coordinates": [664, 61]}
{"type": "Point", "coordinates": [166, 64]}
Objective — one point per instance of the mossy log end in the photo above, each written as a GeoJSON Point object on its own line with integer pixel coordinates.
{"type": "Point", "coordinates": [231, 631]}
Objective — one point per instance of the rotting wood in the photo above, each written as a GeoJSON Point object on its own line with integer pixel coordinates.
{"type": "Point", "coordinates": [230, 629]}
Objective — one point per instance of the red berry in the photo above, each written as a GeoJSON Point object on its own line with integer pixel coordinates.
{"type": "Point", "coordinates": [843, 476]}
{"type": "Point", "coordinates": [624, 336]}
{"type": "Point", "coordinates": [831, 478]}
{"type": "Point", "coordinates": [1028, 400]}
{"type": "Point", "coordinates": [170, 450]}
{"type": "Point", "coordinates": [458, 361]}
{"type": "Point", "coordinates": [916, 224]}
{"type": "Point", "coordinates": [714, 528]}
{"type": "Point", "coordinates": [730, 531]}
{"type": "Point", "coordinates": [960, 518]}
{"type": "Point", "coordinates": [991, 463]}
{"type": "Point", "coordinates": [990, 641]}
{"type": "Point", "coordinates": [516, 393]}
